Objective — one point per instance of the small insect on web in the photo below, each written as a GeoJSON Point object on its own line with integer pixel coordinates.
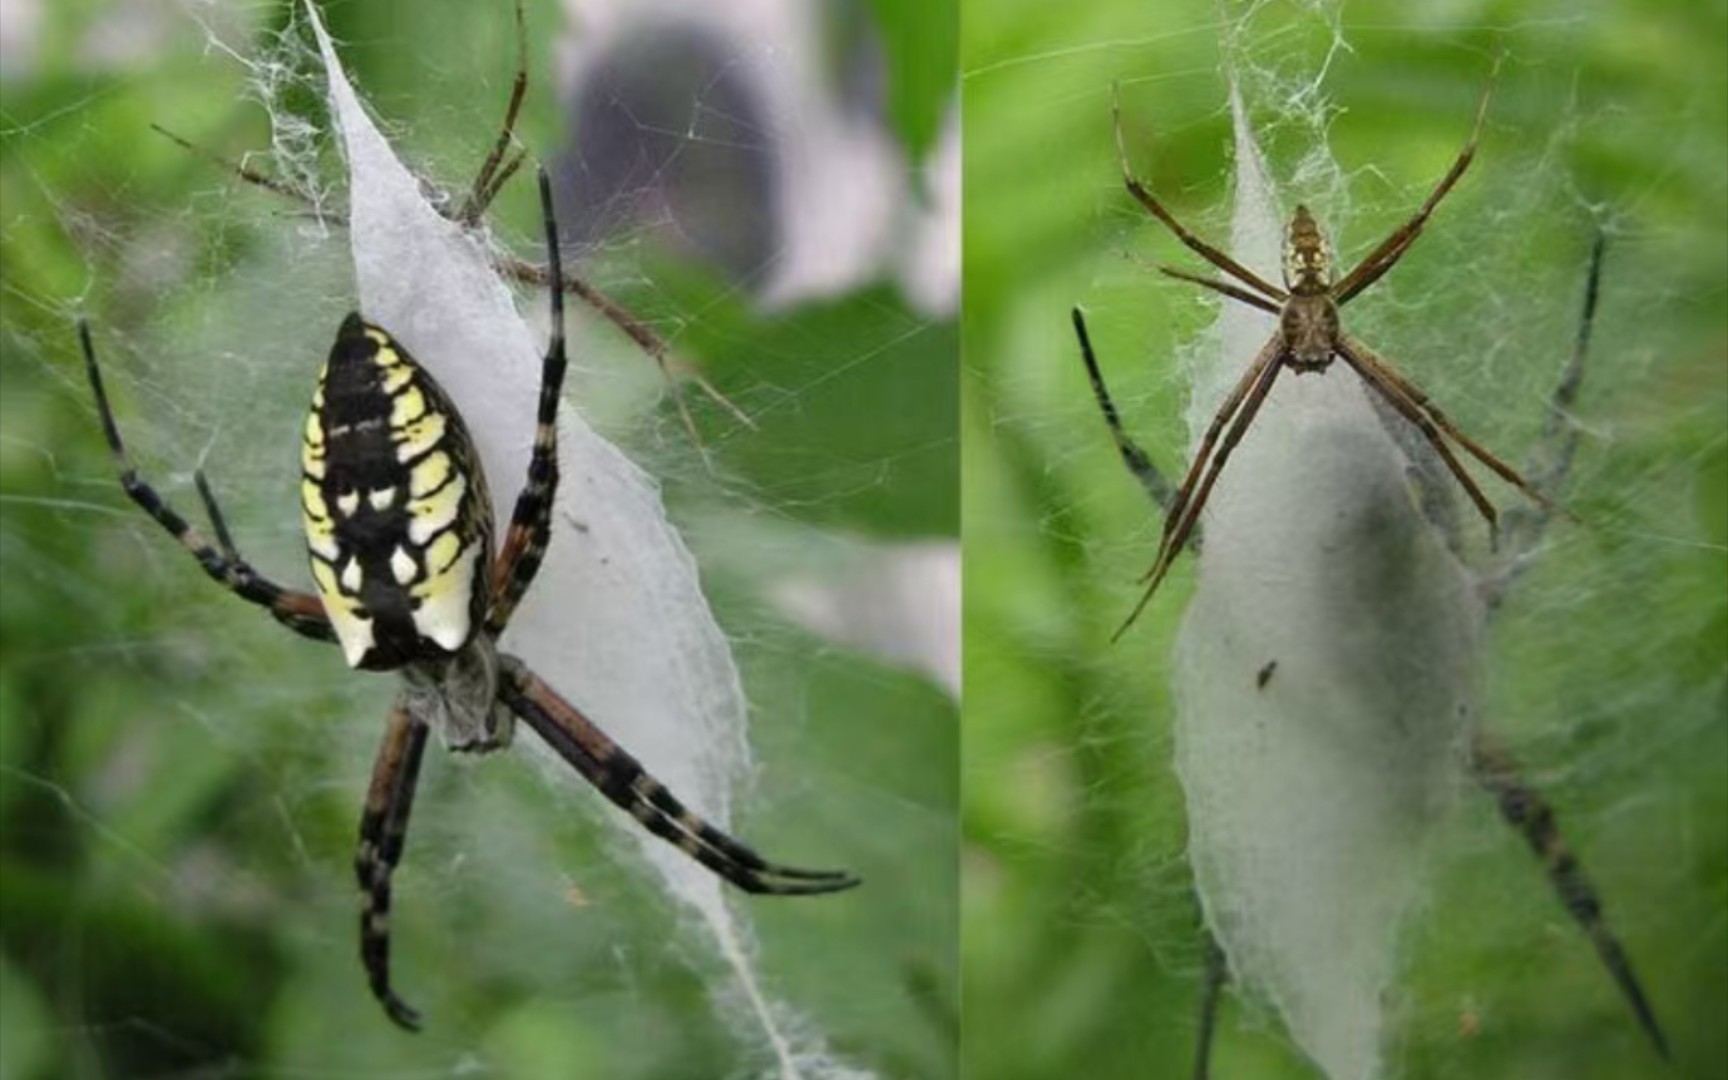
{"type": "Point", "coordinates": [400, 531]}
{"type": "Point", "coordinates": [1308, 339]}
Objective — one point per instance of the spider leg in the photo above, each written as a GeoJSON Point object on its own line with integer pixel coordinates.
{"type": "Point", "coordinates": [1527, 811]}
{"type": "Point", "coordinates": [530, 528]}
{"type": "Point", "coordinates": [1186, 512]}
{"type": "Point", "coordinates": [1221, 287]}
{"type": "Point", "coordinates": [1211, 994]}
{"type": "Point", "coordinates": [527, 273]}
{"type": "Point", "coordinates": [503, 175]}
{"type": "Point", "coordinates": [1156, 484]}
{"type": "Point", "coordinates": [1268, 356]}
{"type": "Point", "coordinates": [299, 611]}
{"type": "Point", "coordinates": [623, 781]}
{"type": "Point", "coordinates": [489, 180]}
{"type": "Point", "coordinates": [383, 830]}
{"type": "Point", "coordinates": [639, 332]}
{"type": "Point", "coordinates": [1558, 443]}
{"type": "Point", "coordinates": [1410, 390]}
{"type": "Point", "coordinates": [1377, 378]}
{"type": "Point", "coordinates": [240, 169]}
{"type": "Point", "coordinates": [1200, 247]}
{"type": "Point", "coordinates": [1391, 249]}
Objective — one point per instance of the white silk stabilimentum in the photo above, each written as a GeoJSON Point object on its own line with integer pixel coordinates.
{"type": "Point", "coordinates": [1327, 675]}
{"type": "Point", "coordinates": [617, 621]}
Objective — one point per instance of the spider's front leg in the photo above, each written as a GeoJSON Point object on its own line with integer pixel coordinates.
{"type": "Point", "coordinates": [301, 612]}
{"type": "Point", "coordinates": [1384, 257]}
{"type": "Point", "coordinates": [622, 779]}
{"type": "Point", "coordinates": [383, 831]}
{"type": "Point", "coordinates": [530, 528]}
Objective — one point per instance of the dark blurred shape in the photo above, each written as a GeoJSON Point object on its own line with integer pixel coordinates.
{"type": "Point", "coordinates": [668, 137]}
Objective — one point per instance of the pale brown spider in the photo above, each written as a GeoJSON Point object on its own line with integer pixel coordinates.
{"type": "Point", "coordinates": [1309, 337]}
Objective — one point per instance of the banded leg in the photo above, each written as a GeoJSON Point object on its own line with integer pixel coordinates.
{"type": "Point", "coordinates": [1410, 390]}
{"type": "Point", "coordinates": [383, 831]}
{"type": "Point", "coordinates": [1238, 410]}
{"type": "Point", "coordinates": [1376, 378]}
{"type": "Point", "coordinates": [623, 781]}
{"type": "Point", "coordinates": [1527, 811]}
{"type": "Point", "coordinates": [301, 612]}
{"type": "Point", "coordinates": [1391, 249]}
{"type": "Point", "coordinates": [530, 528]}
{"type": "Point", "coordinates": [1200, 247]}
{"type": "Point", "coordinates": [1136, 460]}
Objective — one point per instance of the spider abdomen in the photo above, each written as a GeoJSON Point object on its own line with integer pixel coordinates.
{"type": "Point", "coordinates": [397, 522]}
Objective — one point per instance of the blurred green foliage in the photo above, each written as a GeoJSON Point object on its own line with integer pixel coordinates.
{"type": "Point", "coordinates": [180, 781]}
{"type": "Point", "coordinates": [1080, 946]}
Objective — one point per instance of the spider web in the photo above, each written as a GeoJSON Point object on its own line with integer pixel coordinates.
{"type": "Point", "coordinates": [535, 941]}
{"type": "Point", "coordinates": [1481, 314]}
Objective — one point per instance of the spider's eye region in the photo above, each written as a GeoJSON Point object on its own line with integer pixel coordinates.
{"type": "Point", "coordinates": [397, 523]}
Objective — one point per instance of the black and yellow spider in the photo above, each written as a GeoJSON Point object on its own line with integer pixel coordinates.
{"type": "Point", "coordinates": [400, 530]}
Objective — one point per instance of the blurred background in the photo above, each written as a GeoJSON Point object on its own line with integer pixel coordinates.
{"type": "Point", "coordinates": [1606, 667]}
{"type": "Point", "coordinates": [180, 781]}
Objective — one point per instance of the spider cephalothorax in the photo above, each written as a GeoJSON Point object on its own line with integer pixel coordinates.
{"type": "Point", "coordinates": [1308, 320]}
{"type": "Point", "coordinates": [399, 528]}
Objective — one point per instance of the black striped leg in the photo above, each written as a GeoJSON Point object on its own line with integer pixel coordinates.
{"type": "Point", "coordinates": [531, 522]}
{"type": "Point", "coordinates": [1135, 459]}
{"type": "Point", "coordinates": [621, 778]}
{"type": "Point", "coordinates": [299, 611]}
{"type": "Point", "coordinates": [1525, 810]}
{"type": "Point", "coordinates": [383, 830]}
{"type": "Point", "coordinates": [1211, 995]}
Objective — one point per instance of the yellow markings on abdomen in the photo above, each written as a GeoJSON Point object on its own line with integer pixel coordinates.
{"type": "Point", "coordinates": [416, 514]}
{"type": "Point", "coordinates": [312, 446]}
{"type": "Point", "coordinates": [409, 405]}
{"type": "Point", "coordinates": [429, 475]}
{"type": "Point", "coordinates": [435, 512]}
{"type": "Point", "coordinates": [320, 530]}
{"type": "Point", "coordinates": [418, 437]}
{"type": "Point", "coordinates": [444, 614]}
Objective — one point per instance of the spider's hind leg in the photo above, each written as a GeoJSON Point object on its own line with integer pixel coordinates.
{"type": "Point", "coordinates": [1551, 462]}
{"type": "Point", "coordinates": [624, 782]}
{"type": "Point", "coordinates": [1526, 810]}
{"type": "Point", "coordinates": [1156, 485]}
{"type": "Point", "coordinates": [383, 832]}
{"type": "Point", "coordinates": [1211, 996]}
